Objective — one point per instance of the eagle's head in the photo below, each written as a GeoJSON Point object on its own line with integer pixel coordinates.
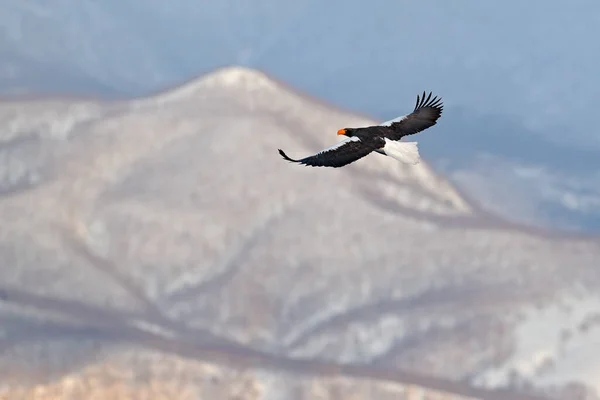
{"type": "Point", "coordinates": [346, 131]}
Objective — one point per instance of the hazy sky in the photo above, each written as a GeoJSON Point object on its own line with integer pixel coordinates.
{"type": "Point", "coordinates": [536, 60]}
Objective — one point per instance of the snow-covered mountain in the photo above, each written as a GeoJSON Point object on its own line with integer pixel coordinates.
{"type": "Point", "coordinates": [161, 245]}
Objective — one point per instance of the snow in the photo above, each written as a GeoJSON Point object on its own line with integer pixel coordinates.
{"type": "Point", "coordinates": [551, 347]}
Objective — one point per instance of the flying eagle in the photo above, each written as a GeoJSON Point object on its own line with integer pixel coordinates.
{"type": "Point", "coordinates": [383, 138]}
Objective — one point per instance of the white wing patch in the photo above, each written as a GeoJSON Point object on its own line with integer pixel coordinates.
{"type": "Point", "coordinates": [339, 144]}
{"type": "Point", "coordinates": [406, 152]}
{"type": "Point", "coordinates": [391, 121]}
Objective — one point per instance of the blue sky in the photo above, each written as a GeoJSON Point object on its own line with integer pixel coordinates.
{"type": "Point", "coordinates": [535, 61]}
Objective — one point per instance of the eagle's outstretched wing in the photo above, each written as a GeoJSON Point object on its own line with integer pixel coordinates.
{"type": "Point", "coordinates": [338, 155]}
{"type": "Point", "coordinates": [425, 115]}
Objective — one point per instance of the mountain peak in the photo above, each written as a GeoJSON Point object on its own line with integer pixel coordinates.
{"type": "Point", "coordinates": [305, 123]}
{"type": "Point", "coordinates": [238, 77]}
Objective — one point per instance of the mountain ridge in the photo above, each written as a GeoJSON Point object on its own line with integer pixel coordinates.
{"type": "Point", "coordinates": [257, 77]}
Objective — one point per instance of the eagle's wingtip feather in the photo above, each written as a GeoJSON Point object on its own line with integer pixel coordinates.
{"type": "Point", "coordinates": [425, 100]}
{"type": "Point", "coordinates": [281, 152]}
{"type": "Point", "coordinates": [285, 156]}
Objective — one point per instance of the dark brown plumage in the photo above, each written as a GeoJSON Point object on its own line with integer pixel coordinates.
{"type": "Point", "coordinates": [383, 138]}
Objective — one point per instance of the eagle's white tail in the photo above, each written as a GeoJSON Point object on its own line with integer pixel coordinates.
{"type": "Point", "coordinates": [406, 152]}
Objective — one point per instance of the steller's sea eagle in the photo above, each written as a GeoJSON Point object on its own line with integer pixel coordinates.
{"type": "Point", "coordinates": [383, 138]}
